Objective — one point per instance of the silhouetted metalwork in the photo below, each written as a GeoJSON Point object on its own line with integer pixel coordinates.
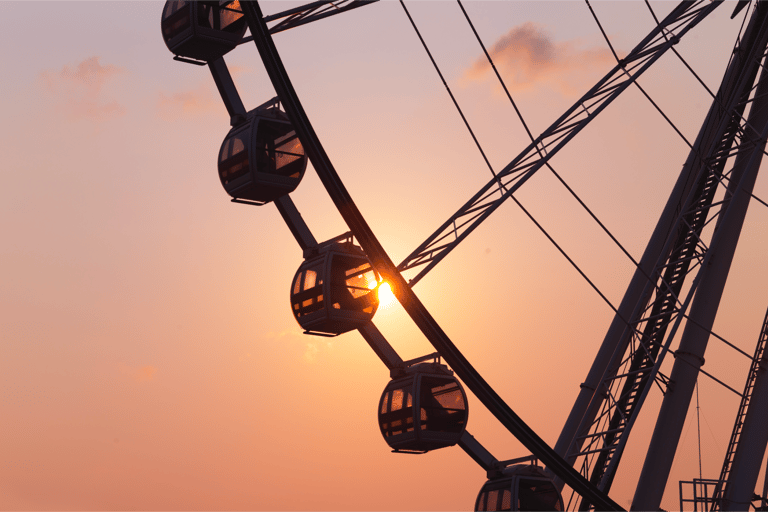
{"type": "Point", "coordinates": [310, 12]}
{"type": "Point", "coordinates": [520, 487]}
{"type": "Point", "coordinates": [334, 290]}
{"type": "Point", "coordinates": [262, 158]}
{"type": "Point", "coordinates": [423, 408]}
{"type": "Point", "coordinates": [684, 17]}
{"type": "Point", "coordinates": [628, 362]}
{"type": "Point", "coordinates": [384, 265]}
{"type": "Point", "coordinates": [202, 30]}
{"type": "Point", "coordinates": [699, 492]}
{"type": "Point", "coordinates": [738, 476]}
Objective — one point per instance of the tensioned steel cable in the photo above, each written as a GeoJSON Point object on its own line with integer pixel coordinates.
{"type": "Point", "coordinates": [549, 237]}
{"type": "Point", "coordinates": [541, 228]}
{"type": "Point", "coordinates": [572, 192]}
{"type": "Point", "coordinates": [530, 135]}
{"type": "Point", "coordinates": [447, 88]}
{"type": "Point", "coordinates": [383, 263]}
{"type": "Point", "coordinates": [610, 45]}
{"type": "Point", "coordinates": [570, 260]}
{"type": "Point", "coordinates": [695, 75]}
{"type": "Point", "coordinates": [490, 167]}
{"type": "Point", "coordinates": [479, 147]}
{"type": "Point", "coordinates": [618, 60]}
{"type": "Point", "coordinates": [608, 232]}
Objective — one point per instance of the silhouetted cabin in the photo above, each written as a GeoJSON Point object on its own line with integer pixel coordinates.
{"type": "Point", "coordinates": [262, 158]}
{"type": "Point", "coordinates": [521, 487]}
{"type": "Point", "coordinates": [202, 30]}
{"type": "Point", "coordinates": [423, 409]}
{"type": "Point", "coordinates": [334, 291]}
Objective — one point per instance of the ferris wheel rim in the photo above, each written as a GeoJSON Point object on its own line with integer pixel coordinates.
{"type": "Point", "coordinates": [382, 263]}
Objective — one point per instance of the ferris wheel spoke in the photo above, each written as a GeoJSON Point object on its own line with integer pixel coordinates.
{"type": "Point", "coordinates": [663, 310]}
{"type": "Point", "coordinates": [667, 33]}
{"type": "Point", "coordinates": [308, 13]}
{"type": "Point", "coordinates": [384, 266]}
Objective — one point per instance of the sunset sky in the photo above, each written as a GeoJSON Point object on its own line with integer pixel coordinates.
{"type": "Point", "coordinates": [149, 358]}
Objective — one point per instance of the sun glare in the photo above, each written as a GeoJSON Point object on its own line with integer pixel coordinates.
{"type": "Point", "coordinates": [386, 297]}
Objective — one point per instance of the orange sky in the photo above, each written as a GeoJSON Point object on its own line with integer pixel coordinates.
{"type": "Point", "coordinates": [149, 356]}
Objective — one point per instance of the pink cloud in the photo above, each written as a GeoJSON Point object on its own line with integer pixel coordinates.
{"type": "Point", "coordinates": [145, 373]}
{"type": "Point", "coordinates": [526, 56]}
{"type": "Point", "coordinates": [140, 374]}
{"type": "Point", "coordinates": [79, 91]}
{"type": "Point", "coordinates": [188, 103]}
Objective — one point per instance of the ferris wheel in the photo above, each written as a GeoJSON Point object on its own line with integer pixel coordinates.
{"type": "Point", "coordinates": [673, 295]}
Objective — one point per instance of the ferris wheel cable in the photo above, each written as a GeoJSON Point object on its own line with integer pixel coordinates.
{"type": "Point", "coordinates": [637, 83]}
{"type": "Point", "coordinates": [530, 135]}
{"type": "Point", "coordinates": [384, 265]}
{"type": "Point", "coordinates": [607, 301]}
{"type": "Point", "coordinates": [570, 260]}
{"type": "Point", "coordinates": [759, 200]}
{"type": "Point", "coordinates": [698, 78]}
{"type": "Point", "coordinates": [713, 333]}
{"type": "Point", "coordinates": [530, 216]}
{"type": "Point", "coordinates": [681, 57]}
{"type": "Point", "coordinates": [573, 193]}
{"type": "Point", "coordinates": [605, 36]}
{"type": "Point", "coordinates": [447, 88]}
{"type": "Point", "coordinates": [565, 184]}
{"type": "Point", "coordinates": [669, 121]}
{"type": "Point", "coordinates": [493, 66]}
{"type": "Point", "coordinates": [698, 426]}
{"type": "Point", "coordinates": [718, 381]}
{"type": "Point", "coordinates": [548, 165]}
{"type": "Point", "coordinates": [684, 17]}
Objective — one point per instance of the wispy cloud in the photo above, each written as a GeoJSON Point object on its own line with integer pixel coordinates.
{"type": "Point", "coordinates": [527, 56]}
{"type": "Point", "coordinates": [139, 374]}
{"type": "Point", "coordinates": [79, 90]}
{"type": "Point", "coordinates": [145, 373]}
{"type": "Point", "coordinates": [188, 103]}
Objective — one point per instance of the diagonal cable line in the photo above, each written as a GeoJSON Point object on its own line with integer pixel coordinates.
{"type": "Point", "coordinates": [610, 45]}
{"type": "Point", "coordinates": [572, 192]}
{"type": "Point", "coordinates": [695, 75]}
{"type": "Point", "coordinates": [455, 103]}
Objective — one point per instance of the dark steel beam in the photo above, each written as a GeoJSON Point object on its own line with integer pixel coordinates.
{"type": "Point", "coordinates": [387, 269]}
{"type": "Point", "coordinates": [310, 12]}
{"type": "Point", "coordinates": [684, 17]}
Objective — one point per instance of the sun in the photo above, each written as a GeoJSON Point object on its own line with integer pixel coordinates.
{"type": "Point", "coordinates": [386, 297]}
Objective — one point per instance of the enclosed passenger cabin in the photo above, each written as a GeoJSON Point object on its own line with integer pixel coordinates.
{"type": "Point", "coordinates": [422, 409]}
{"type": "Point", "coordinates": [334, 290]}
{"type": "Point", "coordinates": [262, 158]}
{"type": "Point", "coordinates": [202, 30]}
{"type": "Point", "coordinates": [520, 487]}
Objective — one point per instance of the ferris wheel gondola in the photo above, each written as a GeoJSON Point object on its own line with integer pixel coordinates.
{"type": "Point", "coordinates": [262, 158]}
{"type": "Point", "coordinates": [202, 30]}
{"type": "Point", "coordinates": [319, 293]}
